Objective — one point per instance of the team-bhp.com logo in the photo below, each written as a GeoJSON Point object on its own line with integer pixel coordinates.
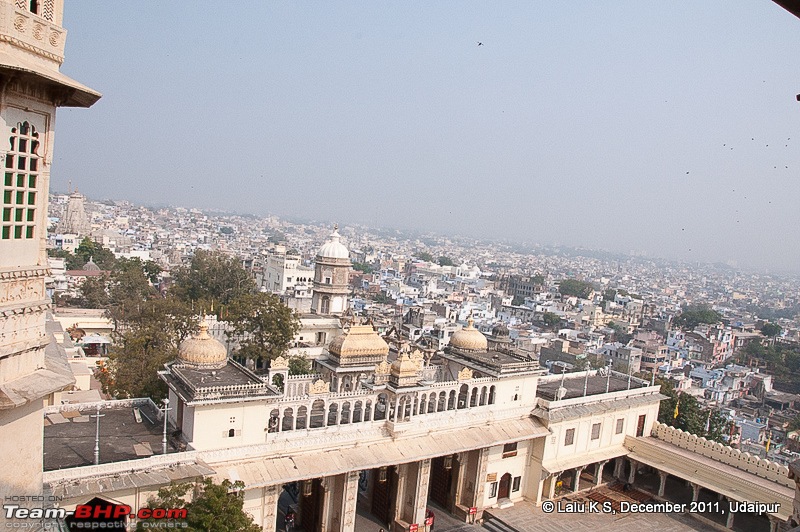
{"type": "Point", "coordinates": [97, 514]}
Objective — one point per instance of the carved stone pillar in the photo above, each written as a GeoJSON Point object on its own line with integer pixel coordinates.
{"type": "Point", "coordinates": [421, 491]}
{"type": "Point", "coordinates": [349, 501]}
{"type": "Point", "coordinates": [553, 482]}
{"type": "Point", "coordinates": [729, 521]}
{"type": "Point", "coordinates": [327, 504]}
{"type": "Point", "coordinates": [632, 474]}
{"type": "Point", "coordinates": [662, 482]}
{"type": "Point", "coordinates": [576, 484]}
{"type": "Point", "coordinates": [619, 467]}
{"type": "Point", "coordinates": [598, 472]}
{"type": "Point", "coordinates": [774, 523]}
{"type": "Point", "coordinates": [270, 502]}
{"type": "Point", "coordinates": [695, 491]}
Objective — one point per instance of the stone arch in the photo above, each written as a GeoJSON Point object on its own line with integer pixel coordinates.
{"type": "Point", "coordinates": [358, 412]}
{"type": "Point", "coordinates": [491, 395]}
{"type": "Point", "coordinates": [423, 403]}
{"type": "Point", "coordinates": [302, 412]}
{"type": "Point", "coordinates": [442, 402]}
{"type": "Point", "coordinates": [333, 414]}
{"type": "Point", "coordinates": [451, 402]}
{"type": "Point", "coordinates": [346, 413]}
{"type": "Point", "coordinates": [432, 403]}
{"type": "Point", "coordinates": [274, 420]}
{"type": "Point", "coordinates": [317, 418]}
{"type": "Point", "coordinates": [473, 400]}
{"type": "Point", "coordinates": [381, 407]}
{"type": "Point", "coordinates": [483, 396]}
{"type": "Point", "coordinates": [368, 411]}
{"type": "Point", "coordinates": [288, 419]}
{"type": "Point", "coordinates": [463, 396]}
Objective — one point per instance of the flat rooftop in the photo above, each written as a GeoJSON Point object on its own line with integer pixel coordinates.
{"type": "Point", "coordinates": [69, 436]}
{"type": "Point", "coordinates": [227, 375]}
{"type": "Point", "coordinates": [595, 385]}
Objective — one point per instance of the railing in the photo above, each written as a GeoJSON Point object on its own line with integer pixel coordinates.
{"type": "Point", "coordinates": [156, 461]}
{"type": "Point", "coordinates": [722, 453]}
{"type": "Point", "coordinates": [120, 403]}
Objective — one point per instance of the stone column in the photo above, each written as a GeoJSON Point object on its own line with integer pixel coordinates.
{"type": "Point", "coordinates": [540, 489]}
{"type": "Point", "coordinates": [632, 474]}
{"type": "Point", "coordinates": [553, 481]}
{"type": "Point", "coordinates": [774, 523]}
{"type": "Point", "coordinates": [729, 521]}
{"type": "Point", "coordinates": [421, 491]}
{"type": "Point", "coordinates": [598, 472]}
{"type": "Point", "coordinates": [270, 502]}
{"type": "Point", "coordinates": [576, 484]}
{"type": "Point", "coordinates": [619, 467]}
{"type": "Point", "coordinates": [349, 501]}
{"type": "Point", "coordinates": [695, 491]}
{"type": "Point", "coordinates": [326, 512]}
{"type": "Point", "coordinates": [662, 482]}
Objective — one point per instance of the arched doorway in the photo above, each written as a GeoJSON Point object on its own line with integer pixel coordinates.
{"type": "Point", "coordinates": [505, 486]}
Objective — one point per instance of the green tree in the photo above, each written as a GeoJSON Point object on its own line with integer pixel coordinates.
{"type": "Point", "coordinates": [691, 417]}
{"type": "Point", "coordinates": [94, 292]}
{"type": "Point", "coordinates": [363, 267]}
{"type": "Point", "coordinates": [299, 366]}
{"type": "Point", "coordinates": [129, 284]}
{"type": "Point", "coordinates": [517, 301]}
{"type": "Point", "coordinates": [424, 255]}
{"type": "Point", "coordinates": [574, 287]}
{"type": "Point", "coordinates": [771, 329]}
{"type": "Point", "coordinates": [264, 326]}
{"type": "Point", "coordinates": [89, 249]}
{"type": "Point", "coordinates": [691, 317]}
{"type": "Point", "coordinates": [212, 277]}
{"type": "Point", "coordinates": [218, 507]}
{"type": "Point", "coordinates": [147, 337]}
{"type": "Point", "coordinates": [445, 261]}
{"type": "Point", "coordinates": [151, 270]}
{"type": "Point", "coordinates": [551, 319]}
{"type": "Point", "coordinates": [226, 230]}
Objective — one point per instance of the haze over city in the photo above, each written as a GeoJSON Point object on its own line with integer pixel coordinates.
{"type": "Point", "coordinates": [665, 128]}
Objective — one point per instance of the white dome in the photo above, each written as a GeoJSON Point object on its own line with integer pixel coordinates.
{"type": "Point", "coordinates": [333, 249]}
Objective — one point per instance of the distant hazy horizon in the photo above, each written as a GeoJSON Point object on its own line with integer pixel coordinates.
{"type": "Point", "coordinates": [665, 128]}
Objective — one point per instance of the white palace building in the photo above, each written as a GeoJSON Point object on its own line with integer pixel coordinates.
{"type": "Point", "coordinates": [475, 428]}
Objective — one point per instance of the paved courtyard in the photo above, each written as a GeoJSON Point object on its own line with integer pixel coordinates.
{"type": "Point", "coordinates": [525, 516]}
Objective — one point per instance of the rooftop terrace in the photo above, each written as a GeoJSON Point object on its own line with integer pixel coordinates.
{"type": "Point", "coordinates": [69, 433]}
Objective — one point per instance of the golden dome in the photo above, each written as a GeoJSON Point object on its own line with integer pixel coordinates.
{"type": "Point", "coordinates": [203, 350]}
{"type": "Point", "coordinates": [404, 366]}
{"type": "Point", "coordinates": [360, 340]}
{"type": "Point", "coordinates": [469, 338]}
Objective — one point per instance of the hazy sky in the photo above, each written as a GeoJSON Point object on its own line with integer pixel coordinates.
{"type": "Point", "coordinates": [622, 125]}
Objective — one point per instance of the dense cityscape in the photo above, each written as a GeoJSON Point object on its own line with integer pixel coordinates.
{"type": "Point", "coordinates": [186, 368]}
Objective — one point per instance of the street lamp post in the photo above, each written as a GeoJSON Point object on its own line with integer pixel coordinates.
{"type": "Point", "coordinates": [164, 438]}
{"type": "Point", "coordinates": [97, 416]}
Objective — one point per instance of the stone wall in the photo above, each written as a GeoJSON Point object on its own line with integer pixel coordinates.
{"type": "Point", "coordinates": [722, 453]}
